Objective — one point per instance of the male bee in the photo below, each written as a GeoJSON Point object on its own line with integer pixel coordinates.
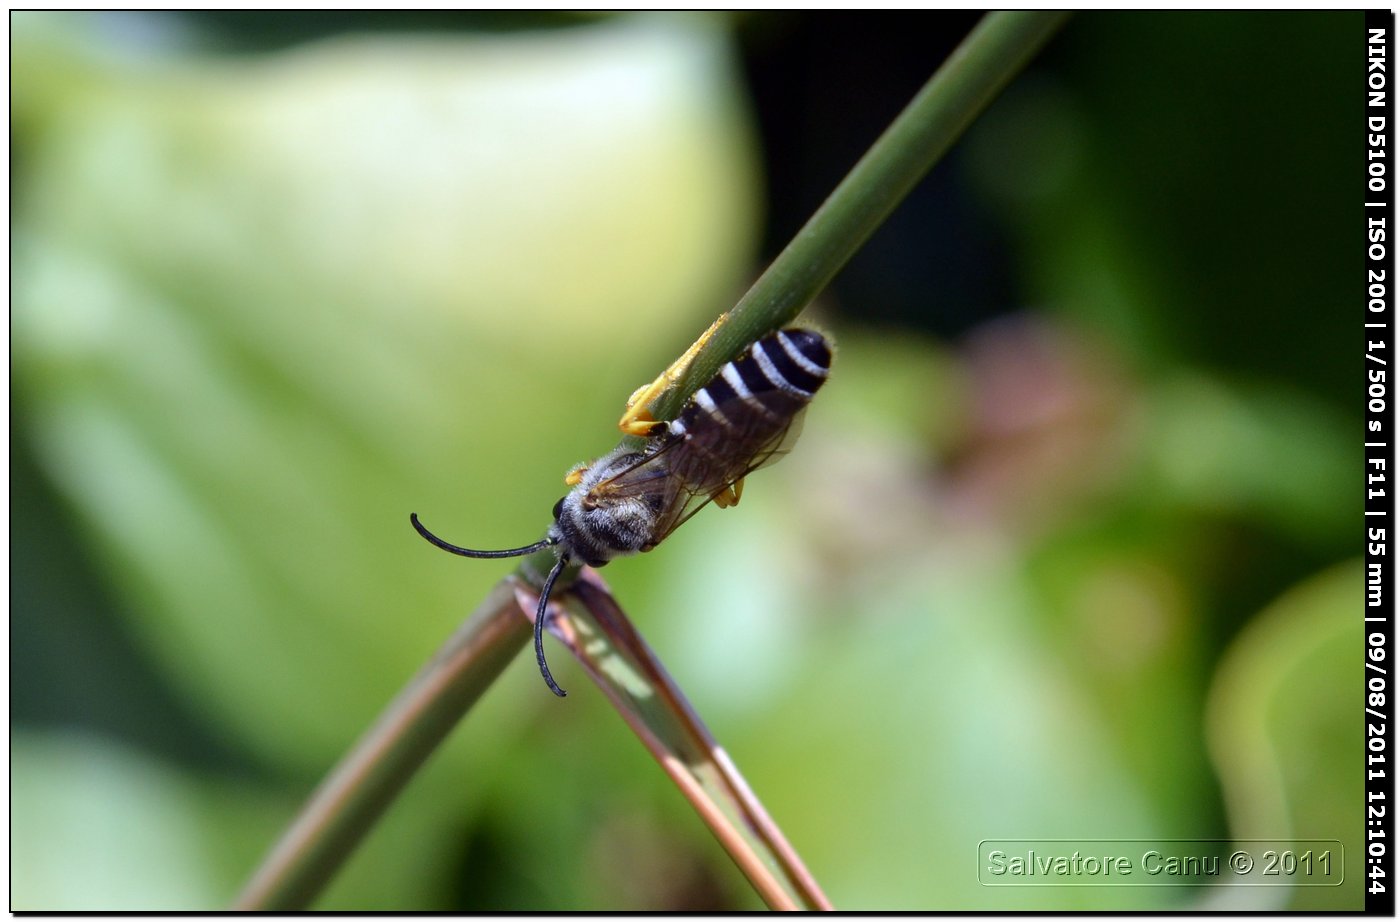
{"type": "Point", "coordinates": [629, 500]}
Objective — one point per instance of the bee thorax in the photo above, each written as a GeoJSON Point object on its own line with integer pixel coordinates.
{"type": "Point", "coordinates": [595, 530]}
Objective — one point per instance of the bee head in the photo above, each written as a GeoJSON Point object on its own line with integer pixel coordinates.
{"type": "Point", "coordinates": [573, 531]}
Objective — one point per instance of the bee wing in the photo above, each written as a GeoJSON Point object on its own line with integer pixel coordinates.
{"type": "Point", "coordinates": [696, 499]}
{"type": "Point", "coordinates": [783, 443]}
{"type": "Point", "coordinates": [673, 464]}
{"type": "Point", "coordinates": [653, 477]}
{"type": "Point", "coordinates": [647, 474]}
{"type": "Point", "coordinates": [686, 473]}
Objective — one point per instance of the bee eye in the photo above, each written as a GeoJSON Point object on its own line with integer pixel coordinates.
{"type": "Point", "coordinates": [558, 508]}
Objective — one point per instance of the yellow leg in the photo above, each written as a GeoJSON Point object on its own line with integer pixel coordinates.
{"type": "Point", "coordinates": [637, 418]}
{"type": "Point", "coordinates": [576, 475]}
{"type": "Point", "coordinates": [729, 496]}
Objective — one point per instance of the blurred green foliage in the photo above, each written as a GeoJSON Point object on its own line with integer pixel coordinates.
{"type": "Point", "coordinates": [1084, 572]}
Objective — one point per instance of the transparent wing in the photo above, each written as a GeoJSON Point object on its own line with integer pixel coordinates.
{"type": "Point", "coordinates": [680, 513]}
{"type": "Point", "coordinates": [685, 474]}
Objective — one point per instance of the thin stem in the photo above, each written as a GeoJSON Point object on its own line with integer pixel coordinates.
{"type": "Point", "coordinates": [349, 801]}
{"type": "Point", "coordinates": [603, 640]}
{"type": "Point", "coordinates": [993, 53]}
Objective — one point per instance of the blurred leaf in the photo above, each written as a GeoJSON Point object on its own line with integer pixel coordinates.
{"type": "Point", "coordinates": [961, 683]}
{"type": "Point", "coordinates": [97, 827]}
{"type": "Point", "coordinates": [1283, 730]}
{"type": "Point", "coordinates": [1215, 447]}
{"type": "Point", "coordinates": [265, 307]}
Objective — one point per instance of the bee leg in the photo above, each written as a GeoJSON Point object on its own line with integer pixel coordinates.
{"type": "Point", "coordinates": [729, 496]}
{"type": "Point", "coordinates": [575, 476]}
{"type": "Point", "coordinates": [636, 417]}
{"type": "Point", "coordinates": [637, 420]}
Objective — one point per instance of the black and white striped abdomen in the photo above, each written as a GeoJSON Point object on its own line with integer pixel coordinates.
{"type": "Point", "coordinates": [774, 378]}
{"type": "Point", "coordinates": [738, 421]}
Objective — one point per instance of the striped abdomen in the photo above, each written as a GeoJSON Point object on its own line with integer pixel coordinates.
{"type": "Point", "coordinates": [737, 422]}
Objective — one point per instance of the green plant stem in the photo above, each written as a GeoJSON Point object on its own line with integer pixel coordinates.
{"type": "Point", "coordinates": [349, 801]}
{"type": "Point", "coordinates": [993, 53]}
{"type": "Point", "coordinates": [352, 797]}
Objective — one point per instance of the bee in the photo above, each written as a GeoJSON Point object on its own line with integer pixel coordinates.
{"type": "Point", "coordinates": [629, 500]}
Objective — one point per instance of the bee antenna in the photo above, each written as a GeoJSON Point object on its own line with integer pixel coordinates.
{"type": "Point", "coordinates": [539, 624]}
{"type": "Point", "coordinates": [544, 592]}
{"type": "Point", "coordinates": [468, 552]}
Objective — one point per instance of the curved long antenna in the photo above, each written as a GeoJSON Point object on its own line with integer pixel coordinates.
{"type": "Point", "coordinates": [544, 592]}
{"type": "Point", "coordinates": [468, 552]}
{"type": "Point", "coordinates": [539, 625]}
